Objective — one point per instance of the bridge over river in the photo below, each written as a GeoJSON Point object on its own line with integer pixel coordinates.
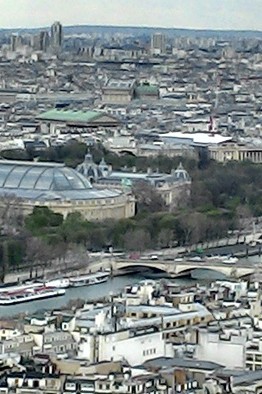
{"type": "Point", "coordinates": [182, 268]}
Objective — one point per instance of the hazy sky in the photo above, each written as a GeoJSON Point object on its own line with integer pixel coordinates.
{"type": "Point", "coordinates": [216, 14]}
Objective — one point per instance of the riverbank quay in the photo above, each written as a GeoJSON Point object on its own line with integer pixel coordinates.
{"type": "Point", "coordinates": [86, 263]}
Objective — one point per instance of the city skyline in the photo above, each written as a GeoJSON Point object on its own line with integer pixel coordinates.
{"type": "Point", "coordinates": [194, 14]}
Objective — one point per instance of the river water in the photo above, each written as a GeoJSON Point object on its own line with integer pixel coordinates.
{"type": "Point", "coordinates": [113, 285]}
{"type": "Point", "coordinates": [88, 293]}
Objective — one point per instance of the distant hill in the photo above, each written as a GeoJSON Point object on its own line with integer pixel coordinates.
{"type": "Point", "coordinates": [142, 31]}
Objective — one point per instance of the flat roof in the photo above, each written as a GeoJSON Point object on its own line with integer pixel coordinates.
{"type": "Point", "coordinates": [120, 84]}
{"type": "Point", "coordinates": [200, 311]}
{"type": "Point", "coordinates": [65, 115]}
{"type": "Point", "coordinates": [161, 310]}
{"type": "Point", "coordinates": [198, 138]}
{"type": "Point", "coordinates": [165, 362]}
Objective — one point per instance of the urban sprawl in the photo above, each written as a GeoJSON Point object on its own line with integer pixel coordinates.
{"type": "Point", "coordinates": [130, 211]}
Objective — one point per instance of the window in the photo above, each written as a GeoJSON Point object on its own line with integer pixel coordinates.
{"type": "Point", "coordinates": [35, 384]}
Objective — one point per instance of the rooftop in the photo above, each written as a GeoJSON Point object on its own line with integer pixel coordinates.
{"type": "Point", "coordinates": [64, 115]}
{"type": "Point", "coordinates": [46, 181]}
{"type": "Point", "coordinates": [147, 89]}
{"type": "Point", "coordinates": [198, 138]}
{"type": "Point", "coordinates": [120, 84]}
{"type": "Point", "coordinates": [164, 362]}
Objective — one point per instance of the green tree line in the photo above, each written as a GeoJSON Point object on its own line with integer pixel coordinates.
{"type": "Point", "coordinates": [223, 196]}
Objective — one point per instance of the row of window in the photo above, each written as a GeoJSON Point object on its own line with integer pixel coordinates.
{"type": "Point", "coordinates": [254, 357]}
{"type": "Point", "coordinates": [69, 387]}
{"type": "Point", "coordinates": [149, 352]}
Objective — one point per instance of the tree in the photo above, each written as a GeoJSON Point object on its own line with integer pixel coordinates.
{"type": "Point", "coordinates": [148, 200]}
{"type": "Point", "coordinates": [11, 222]}
{"type": "Point", "coordinates": [43, 219]}
{"type": "Point", "coordinates": [38, 253]}
{"type": "Point", "coordinates": [193, 227]}
{"type": "Point", "coordinates": [243, 216]}
{"type": "Point", "coordinates": [73, 153]}
{"type": "Point", "coordinates": [11, 215]}
{"type": "Point", "coordinates": [137, 240]}
{"type": "Point", "coordinates": [5, 261]}
{"type": "Point", "coordinates": [75, 229]}
{"type": "Point", "coordinates": [165, 238]}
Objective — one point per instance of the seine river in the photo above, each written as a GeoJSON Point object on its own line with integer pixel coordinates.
{"type": "Point", "coordinates": [113, 285]}
{"type": "Point", "coordinates": [87, 293]}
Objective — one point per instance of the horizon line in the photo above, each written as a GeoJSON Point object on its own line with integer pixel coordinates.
{"type": "Point", "coordinates": [137, 27]}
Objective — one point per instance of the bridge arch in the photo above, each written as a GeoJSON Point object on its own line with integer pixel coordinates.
{"type": "Point", "coordinates": [140, 265]}
{"type": "Point", "coordinates": [176, 270]}
{"type": "Point", "coordinates": [226, 271]}
{"type": "Point", "coordinates": [206, 271]}
{"type": "Point", "coordinates": [127, 152]}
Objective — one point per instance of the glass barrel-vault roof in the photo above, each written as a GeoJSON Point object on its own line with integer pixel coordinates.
{"type": "Point", "coordinates": [40, 176]}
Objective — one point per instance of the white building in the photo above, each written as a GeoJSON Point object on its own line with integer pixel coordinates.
{"type": "Point", "coordinates": [134, 346]}
{"type": "Point", "coordinates": [227, 349]}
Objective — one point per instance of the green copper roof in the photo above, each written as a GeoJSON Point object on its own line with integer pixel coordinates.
{"type": "Point", "coordinates": [70, 116]}
{"type": "Point", "coordinates": [147, 89]}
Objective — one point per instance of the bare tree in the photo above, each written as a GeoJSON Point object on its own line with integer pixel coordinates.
{"type": "Point", "coordinates": [244, 217]}
{"type": "Point", "coordinates": [5, 261]}
{"type": "Point", "coordinates": [137, 240]}
{"type": "Point", "coordinates": [194, 227]}
{"type": "Point", "coordinates": [165, 237]}
{"type": "Point", "coordinates": [147, 197]}
{"type": "Point", "coordinates": [11, 214]}
{"type": "Point", "coordinates": [38, 253]}
{"type": "Point", "coordinates": [11, 224]}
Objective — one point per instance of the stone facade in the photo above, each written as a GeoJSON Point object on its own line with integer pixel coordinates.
{"type": "Point", "coordinates": [25, 185]}
{"type": "Point", "coordinates": [173, 188]}
{"type": "Point", "coordinates": [227, 152]}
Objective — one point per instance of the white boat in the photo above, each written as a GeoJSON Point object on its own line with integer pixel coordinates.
{"type": "Point", "coordinates": [230, 260]}
{"type": "Point", "coordinates": [214, 257]}
{"type": "Point", "coordinates": [28, 295]}
{"type": "Point", "coordinates": [20, 287]}
{"type": "Point", "coordinates": [62, 283]}
{"type": "Point", "coordinates": [195, 258]}
{"type": "Point", "coordinates": [88, 280]}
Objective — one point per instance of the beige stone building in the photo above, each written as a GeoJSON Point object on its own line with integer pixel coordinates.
{"type": "Point", "coordinates": [62, 189]}
{"type": "Point", "coordinates": [230, 151]}
{"type": "Point", "coordinates": [118, 92]}
{"type": "Point", "coordinates": [173, 188]}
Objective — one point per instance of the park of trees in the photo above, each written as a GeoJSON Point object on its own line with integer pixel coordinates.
{"type": "Point", "coordinates": [223, 198]}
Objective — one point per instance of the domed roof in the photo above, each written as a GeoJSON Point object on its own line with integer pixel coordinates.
{"type": "Point", "coordinates": [181, 174]}
{"type": "Point", "coordinates": [40, 176]}
{"type": "Point", "coordinates": [47, 182]}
